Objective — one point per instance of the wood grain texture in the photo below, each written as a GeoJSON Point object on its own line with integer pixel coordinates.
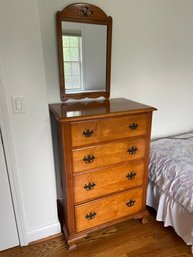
{"type": "Point", "coordinates": [98, 160]}
{"type": "Point", "coordinates": [113, 180]}
{"type": "Point", "coordinates": [79, 111]}
{"type": "Point", "coordinates": [107, 129]}
{"type": "Point", "coordinates": [108, 209]}
{"type": "Point", "coordinates": [126, 239]}
{"type": "Point", "coordinates": [91, 14]}
{"type": "Point", "coordinates": [83, 11]}
{"type": "Point", "coordinates": [108, 154]}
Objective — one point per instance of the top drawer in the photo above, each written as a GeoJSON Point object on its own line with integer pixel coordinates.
{"type": "Point", "coordinates": [95, 131]}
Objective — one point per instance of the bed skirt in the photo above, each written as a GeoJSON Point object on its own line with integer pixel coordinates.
{"type": "Point", "coordinates": [171, 213]}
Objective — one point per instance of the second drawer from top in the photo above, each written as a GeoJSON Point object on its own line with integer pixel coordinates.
{"type": "Point", "coordinates": [98, 156]}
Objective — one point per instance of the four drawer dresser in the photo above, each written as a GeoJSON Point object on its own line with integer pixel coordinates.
{"type": "Point", "coordinates": [101, 151]}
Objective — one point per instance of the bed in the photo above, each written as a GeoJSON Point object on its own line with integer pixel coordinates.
{"type": "Point", "coordinates": [170, 183]}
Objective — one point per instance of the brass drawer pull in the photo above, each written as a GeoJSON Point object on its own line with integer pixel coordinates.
{"type": "Point", "coordinates": [131, 175]}
{"type": "Point", "coordinates": [90, 216]}
{"type": "Point", "coordinates": [133, 126]}
{"type": "Point", "coordinates": [88, 133]}
{"type": "Point", "coordinates": [130, 203]}
{"type": "Point", "coordinates": [132, 150]}
{"type": "Point", "coordinates": [90, 186]}
{"type": "Point", "coordinates": [88, 159]}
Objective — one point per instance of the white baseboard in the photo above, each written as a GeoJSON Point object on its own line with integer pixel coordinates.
{"type": "Point", "coordinates": [43, 231]}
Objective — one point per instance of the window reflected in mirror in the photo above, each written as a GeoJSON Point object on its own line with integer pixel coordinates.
{"type": "Point", "coordinates": [72, 52]}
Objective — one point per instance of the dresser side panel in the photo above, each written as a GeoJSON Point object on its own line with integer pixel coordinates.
{"type": "Point", "coordinates": [61, 200]}
{"type": "Point", "coordinates": [146, 161]}
{"type": "Point", "coordinates": [62, 171]}
{"type": "Point", "coordinates": [66, 156]}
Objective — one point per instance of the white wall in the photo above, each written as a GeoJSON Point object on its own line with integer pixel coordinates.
{"type": "Point", "coordinates": [152, 56]}
{"type": "Point", "coordinates": [22, 61]}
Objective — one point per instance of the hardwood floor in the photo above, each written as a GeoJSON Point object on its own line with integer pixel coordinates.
{"type": "Point", "coordinates": [128, 239]}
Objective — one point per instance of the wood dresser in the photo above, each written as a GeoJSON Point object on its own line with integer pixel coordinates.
{"type": "Point", "coordinates": [101, 151]}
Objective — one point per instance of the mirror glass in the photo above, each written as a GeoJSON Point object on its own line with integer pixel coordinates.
{"type": "Point", "coordinates": [84, 57]}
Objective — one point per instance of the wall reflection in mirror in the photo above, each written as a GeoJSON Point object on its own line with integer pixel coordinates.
{"type": "Point", "coordinates": [84, 56]}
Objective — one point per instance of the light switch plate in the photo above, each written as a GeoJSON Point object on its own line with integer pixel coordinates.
{"type": "Point", "coordinates": [18, 104]}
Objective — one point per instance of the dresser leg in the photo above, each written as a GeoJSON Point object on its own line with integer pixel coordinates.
{"type": "Point", "coordinates": [144, 220]}
{"type": "Point", "coordinates": [143, 217]}
{"type": "Point", "coordinates": [72, 246]}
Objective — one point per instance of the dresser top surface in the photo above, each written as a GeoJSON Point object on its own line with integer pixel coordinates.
{"type": "Point", "coordinates": [100, 108]}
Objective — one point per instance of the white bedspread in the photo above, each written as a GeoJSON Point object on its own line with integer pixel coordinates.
{"type": "Point", "coordinates": [170, 187]}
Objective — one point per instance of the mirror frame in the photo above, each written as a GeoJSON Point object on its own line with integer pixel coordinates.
{"type": "Point", "coordinates": [91, 14]}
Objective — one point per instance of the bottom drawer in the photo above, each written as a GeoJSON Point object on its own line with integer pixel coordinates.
{"type": "Point", "coordinates": [107, 209]}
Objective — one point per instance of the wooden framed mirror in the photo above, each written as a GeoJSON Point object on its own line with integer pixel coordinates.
{"type": "Point", "coordinates": [84, 34]}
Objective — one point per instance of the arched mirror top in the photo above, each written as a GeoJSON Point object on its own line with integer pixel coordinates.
{"type": "Point", "coordinates": [84, 34]}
